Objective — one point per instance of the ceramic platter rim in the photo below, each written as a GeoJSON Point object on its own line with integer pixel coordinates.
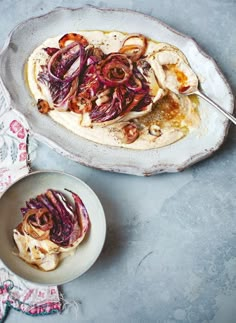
{"type": "Point", "coordinates": [172, 158]}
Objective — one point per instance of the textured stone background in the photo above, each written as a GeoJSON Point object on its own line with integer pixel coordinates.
{"type": "Point", "coordinates": [170, 254]}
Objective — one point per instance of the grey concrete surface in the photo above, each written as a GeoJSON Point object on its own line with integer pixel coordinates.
{"type": "Point", "coordinates": [170, 252]}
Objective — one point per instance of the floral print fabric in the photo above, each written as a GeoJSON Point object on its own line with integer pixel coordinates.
{"type": "Point", "coordinates": [14, 292]}
{"type": "Point", "coordinates": [13, 150]}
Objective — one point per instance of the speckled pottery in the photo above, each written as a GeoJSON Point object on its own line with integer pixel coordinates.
{"type": "Point", "coordinates": [196, 146]}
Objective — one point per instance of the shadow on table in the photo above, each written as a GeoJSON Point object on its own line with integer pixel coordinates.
{"type": "Point", "coordinates": [116, 238]}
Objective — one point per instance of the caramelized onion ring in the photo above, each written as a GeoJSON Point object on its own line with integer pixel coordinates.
{"type": "Point", "coordinates": [115, 70]}
{"type": "Point", "coordinates": [73, 37]}
{"type": "Point", "coordinates": [134, 51]}
{"type": "Point", "coordinates": [37, 223]}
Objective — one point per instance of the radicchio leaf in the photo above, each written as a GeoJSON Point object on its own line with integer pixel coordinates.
{"type": "Point", "coordinates": [67, 63]}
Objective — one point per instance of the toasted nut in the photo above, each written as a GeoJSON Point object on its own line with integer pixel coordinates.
{"type": "Point", "coordinates": [43, 106]}
{"type": "Point", "coordinates": [155, 130]}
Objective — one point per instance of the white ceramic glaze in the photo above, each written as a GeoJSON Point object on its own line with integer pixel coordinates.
{"type": "Point", "coordinates": [87, 252]}
{"type": "Point", "coordinates": [196, 146]}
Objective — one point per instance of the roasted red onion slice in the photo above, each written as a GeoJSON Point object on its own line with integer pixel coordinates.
{"type": "Point", "coordinates": [73, 37]}
{"type": "Point", "coordinates": [56, 232]}
{"type": "Point", "coordinates": [37, 223]}
{"type": "Point", "coordinates": [134, 83]}
{"type": "Point", "coordinates": [67, 63]}
{"type": "Point", "coordinates": [95, 54]}
{"type": "Point", "coordinates": [133, 50]}
{"type": "Point", "coordinates": [114, 70]}
{"type": "Point", "coordinates": [51, 216]}
{"type": "Point", "coordinates": [92, 60]}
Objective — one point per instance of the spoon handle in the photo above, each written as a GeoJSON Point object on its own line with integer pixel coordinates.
{"type": "Point", "coordinates": [225, 113]}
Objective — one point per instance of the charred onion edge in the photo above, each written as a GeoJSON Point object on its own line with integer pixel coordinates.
{"type": "Point", "coordinates": [74, 37]}
{"type": "Point", "coordinates": [142, 47]}
{"type": "Point", "coordinates": [122, 62]}
{"type": "Point", "coordinates": [28, 226]}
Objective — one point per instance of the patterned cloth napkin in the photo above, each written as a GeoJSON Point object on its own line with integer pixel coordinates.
{"type": "Point", "coordinates": [14, 292]}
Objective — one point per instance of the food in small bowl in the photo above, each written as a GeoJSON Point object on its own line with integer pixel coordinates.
{"type": "Point", "coordinates": [58, 242]}
{"type": "Point", "coordinates": [51, 229]}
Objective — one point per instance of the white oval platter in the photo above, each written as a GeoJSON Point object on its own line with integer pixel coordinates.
{"type": "Point", "coordinates": [196, 146]}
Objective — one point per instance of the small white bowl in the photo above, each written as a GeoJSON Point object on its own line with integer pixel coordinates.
{"type": "Point", "coordinates": [10, 216]}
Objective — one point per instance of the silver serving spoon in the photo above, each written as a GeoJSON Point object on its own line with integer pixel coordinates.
{"type": "Point", "coordinates": [215, 105]}
{"type": "Point", "coordinates": [194, 89]}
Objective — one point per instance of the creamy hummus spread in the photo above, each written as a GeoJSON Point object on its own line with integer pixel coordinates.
{"type": "Point", "coordinates": [169, 116]}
